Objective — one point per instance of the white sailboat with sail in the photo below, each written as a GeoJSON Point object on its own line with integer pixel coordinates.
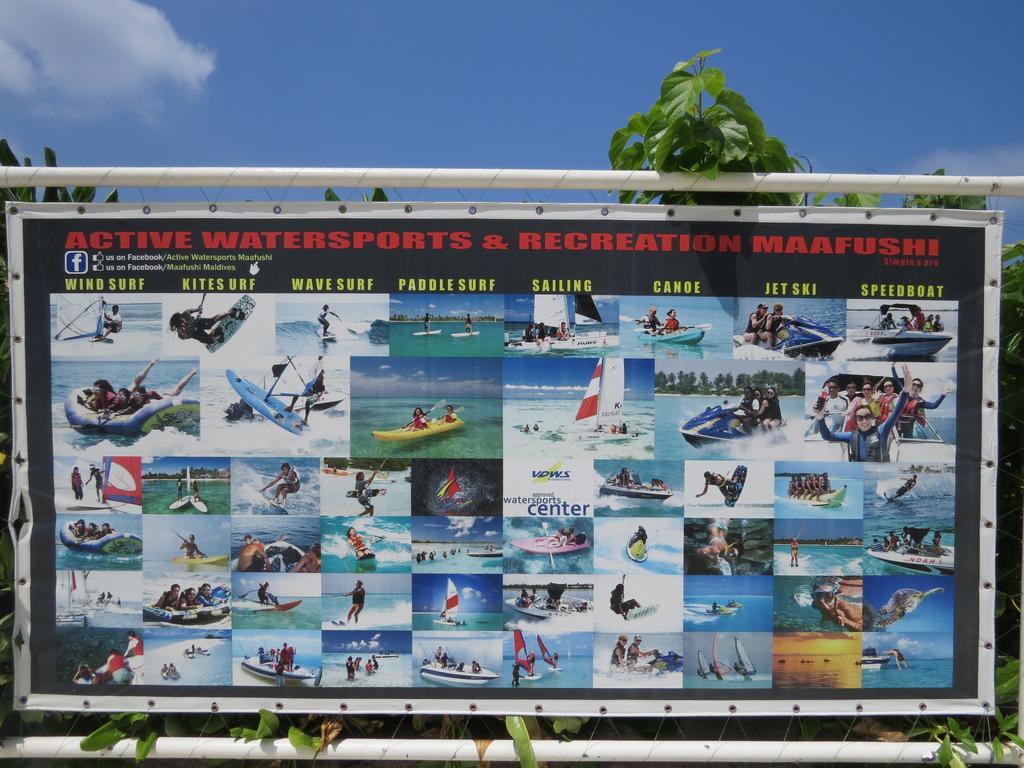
{"type": "Point", "coordinates": [554, 329]}
{"type": "Point", "coordinates": [73, 601]}
{"type": "Point", "coordinates": [450, 611]}
{"type": "Point", "coordinates": [599, 416]}
{"type": "Point", "coordinates": [80, 316]}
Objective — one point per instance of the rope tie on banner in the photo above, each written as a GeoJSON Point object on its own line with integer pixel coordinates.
{"type": "Point", "coordinates": [490, 183]}
{"type": "Point", "coordinates": [654, 740]}
{"type": "Point", "coordinates": [394, 733]}
{"type": "Point", "coordinates": [357, 185]}
{"type": "Point", "coordinates": [590, 740]}
{"type": "Point", "coordinates": [557, 184]}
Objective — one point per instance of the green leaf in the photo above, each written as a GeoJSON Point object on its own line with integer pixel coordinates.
{"type": "Point", "coordinates": [7, 156]}
{"type": "Point", "coordinates": [967, 741]}
{"type": "Point", "coordinates": [516, 728]}
{"type": "Point", "coordinates": [735, 140]}
{"type": "Point", "coordinates": [809, 729]}
{"type": "Point", "coordinates": [302, 740]}
{"type": "Point", "coordinates": [744, 114]}
{"type": "Point", "coordinates": [714, 81]}
{"type": "Point", "coordinates": [107, 735]}
{"type": "Point", "coordinates": [83, 194]}
{"type": "Point", "coordinates": [568, 724]}
{"type": "Point", "coordinates": [997, 750]}
{"type": "Point", "coordinates": [699, 56]}
{"type": "Point", "coordinates": [945, 751]}
{"type": "Point", "coordinates": [1007, 679]}
{"type": "Point", "coordinates": [145, 745]}
{"type": "Point", "coordinates": [112, 196]}
{"type": "Point", "coordinates": [679, 92]}
{"type": "Point", "coordinates": [331, 196]}
{"type": "Point", "coordinates": [269, 724]}
{"type": "Point", "coordinates": [175, 726]}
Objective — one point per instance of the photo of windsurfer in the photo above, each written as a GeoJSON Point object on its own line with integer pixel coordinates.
{"type": "Point", "coordinates": [728, 659]}
{"type": "Point", "coordinates": [86, 325]}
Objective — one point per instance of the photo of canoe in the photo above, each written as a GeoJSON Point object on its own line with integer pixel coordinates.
{"type": "Point", "coordinates": [579, 407]}
{"type": "Point", "coordinates": [367, 659]}
{"type": "Point", "coordinates": [578, 324]}
{"type": "Point", "coordinates": [186, 543]}
{"type": "Point", "coordinates": [702, 326]}
{"type": "Point", "coordinates": [893, 330]}
{"type": "Point", "coordinates": [280, 600]}
{"type": "Point", "coordinates": [187, 486]}
{"type": "Point", "coordinates": [96, 483]}
{"type": "Point", "coordinates": [819, 489]}
{"type": "Point", "coordinates": [775, 329]}
{"type": "Point", "coordinates": [449, 659]}
{"type": "Point", "coordinates": [187, 657]}
{"type": "Point", "coordinates": [728, 659]}
{"type": "Point", "coordinates": [366, 545]}
{"type": "Point", "coordinates": [320, 324]}
{"type": "Point", "coordinates": [446, 325]}
{"type": "Point", "coordinates": [816, 659]}
{"type": "Point", "coordinates": [256, 656]}
{"type": "Point", "coordinates": [718, 409]}
{"type": "Point", "coordinates": [99, 326]}
{"type": "Point", "coordinates": [426, 407]}
{"type": "Point", "coordinates": [625, 659]}
{"type": "Point", "coordinates": [93, 405]}
{"type": "Point", "coordinates": [462, 544]}
{"type": "Point", "coordinates": [106, 542]}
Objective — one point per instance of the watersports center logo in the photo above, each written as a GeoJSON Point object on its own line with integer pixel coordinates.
{"type": "Point", "coordinates": [554, 472]}
{"type": "Point", "coordinates": [80, 262]}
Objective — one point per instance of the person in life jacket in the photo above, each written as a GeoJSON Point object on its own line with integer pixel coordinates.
{"type": "Point", "coordinates": [869, 441]}
{"type": "Point", "coordinates": [912, 411]}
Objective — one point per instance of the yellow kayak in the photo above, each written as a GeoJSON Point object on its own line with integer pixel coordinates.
{"type": "Point", "coordinates": [214, 560]}
{"type": "Point", "coordinates": [437, 427]}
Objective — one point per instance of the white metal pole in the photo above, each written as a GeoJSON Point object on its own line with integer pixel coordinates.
{"type": "Point", "coordinates": [504, 751]}
{"type": "Point", "coordinates": [509, 178]}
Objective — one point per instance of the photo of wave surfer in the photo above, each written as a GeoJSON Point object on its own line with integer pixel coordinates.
{"type": "Point", "coordinates": [319, 324]}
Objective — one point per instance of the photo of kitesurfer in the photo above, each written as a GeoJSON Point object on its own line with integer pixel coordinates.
{"type": "Point", "coordinates": [224, 328]}
{"type": "Point", "coordinates": [272, 486]}
{"type": "Point", "coordinates": [829, 546]}
{"type": "Point", "coordinates": [457, 487]}
{"type": "Point", "coordinates": [272, 544]}
{"type": "Point", "coordinates": [367, 601]}
{"type": "Point", "coordinates": [365, 487]}
{"type": "Point", "coordinates": [399, 407]}
{"type": "Point", "coordinates": [637, 602]}
{"type": "Point", "coordinates": [648, 659]}
{"type": "Point", "coordinates": [211, 331]}
{"type": "Point", "coordinates": [578, 324]}
{"type": "Point", "coordinates": [319, 324]}
{"type": "Point", "coordinates": [898, 330]}
{"type": "Point", "coordinates": [818, 603]}
{"type": "Point", "coordinates": [805, 329]}
{"type": "Point", "coordinates": [281, 600]}
{"type": "Point", "coordinates": [745, 485]}
{"type": "Point", "coordinates": [181, 656]}
{"type": "Point", "coordinates": [446, 325]}
{"type": "Point", "coordinates": [366, 545]}
{"type": "Point", "coordinates": [919, 429]}
{"type": "Point", "coordinates": [727, 659]}
{"type": "Point", "coordinates": [638, 545]}
{"type": "Point", "coordinates": [593, 408]}
{"type": "Point", "coordinates": [823, 658]}
{"type": "Point", "coordinates": [370, 659]}
{"type": "Point", "coordinates": [86, 325]}
{"type": "Point", "coordinates": [726, 546]}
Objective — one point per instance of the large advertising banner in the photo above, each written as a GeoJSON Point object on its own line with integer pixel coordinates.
{"type": "Point", "coordinates": [570, 459]}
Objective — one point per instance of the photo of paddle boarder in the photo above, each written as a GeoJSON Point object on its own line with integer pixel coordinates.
{"type": "Point", "coordinates": [276, 600]}
{"type": "Point", "coordinates": [366, 544]}
{"type": "Point", "coordinates": [276, 657]}
{"type": "Point", "coordinates": [191, 485]}
{"type": "Point", "coordinates": [275, 486]}
{"type": "Point", "coordinates": [816, 489]}
{"type": "Point", "coordinates": [626, 659]}
{"type": "Point", "coordinates": [324, 324]}
{"type": "Point", "coordinates": [901, 330]}
{"type": "Point", "coordinates": [530, 545]}
{"type": "Point", "coordinates": [816, 659]}
{"type": "Point", "coordinates": [187, 657]}
{"type": "Point", "coordinates": [426, 407]}
{"type": "Point", "coordinates": [365, 487]}
{"type": "Point", "coordinates": [92, 482]}
{"type": "Point", "coordinates": [446, 325]}
{"type": "Point", "coordinates": [460, 602]}
{"type": "Point", "coordinates": [741, 485]}
{"type": "Point", "coordinates": [456, 487]}
{"type": "Point", "coordinates": [591, 407]}
{"type": "Point", "coordinates": [577, 324]}
{"type": "Point", "coordinates": [125, 405]}
{"type": "Point", "coordinates": [275, 544]}
{"type": "Point", "coordinates": [686, 327]}
{"type": "Point", "coordinates": [637, 488]}
{"type": "Point", "coordinates": [727, 546]}
{"type": "Point", "coordinates": [221, 328]}
{"type": "Point", "coordinates": [535, 603]}
{"type": "Point", "coordinates": [727, 659]}
{"type": "Point", "coordinates": [186, 543]}
{"type": "Point", "coordinates": [101, 326]}
{"type": "Point", "coordinates": [368, 659]}
{"type": "Point", "coordinates": [638, 545]}
{"type": "Point", "coordinates": [458, 544]}
{"type": "Point", "coordinates": [367, 601]}
{"type": "Point", "coordinates": [798, 328]}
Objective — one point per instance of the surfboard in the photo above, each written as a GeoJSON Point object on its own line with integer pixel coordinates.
{"type": "Point", "coordinates": [328, 337]}
{"type": "Point", "coordinates": [464, 334]}
{"type": "Point", "coordinates": [180, 503]}
{"type": "Point", "coordinates": [267, 406]}
{"type": "Point", "coordinates": [427, 333]}
{"type": "Point", "coordinates": [229, 325]}
{"type": "Point", "coordinates": [370, 492]}
{"type": "Point", "coordinates": [104, 340]}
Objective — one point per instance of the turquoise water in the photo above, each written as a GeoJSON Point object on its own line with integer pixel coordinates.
{"type": "Point", "coordinates": [488, 344]}
{"type": "Point", "coordinates": [754, 615]}
{"type": "Point", "coordinates": [582, 621]}
{"type": "Point", "coordinates": [248, 476]}
{"type": "Point", "coordinates": [158, 495]}
{"type": "Point", "coordinates": [474, 622]}
{"type": "Point", "coordinates": [664, 545]}
{"type": "Point", "coordinates": [362, 329]}
{"type": "Point", "coordinates": [851, 507]}
{"type": "Point", "coordinates": [515, 333]}
{"type": "Point", "coordinates": [519, 561]}
{"type": "Point", "coordinates": [820, 560]}
{"type": "Point", "coordinates": [922, 673]}
{"type": "Point", "coordinates": [393, 672]}
{"type": "Point", "coordinates": [306, 615]}
{"type": "Point", "coordinates": [479, 438]}
{"type": "Point", "coordinates": [675, 410]}
{"type": "Point", "coordinates": [167, 646]}
{"type": "Point", "coordinates": [555, 417]}
{"type": "Point", "coordinates": [794, 612]}
{"type": "Point", "coordinates": [388, 537]}
{"type": "Point", "coordinates": [380, 611]}
{"type": "Point", "coordinates": [717, 312]}
{"type": "Point", "coordinates": [830, 313]}
{"type": "Point", "coordinates": [607, 676]}
{"type": "Point", "coordinates": [460, 562]}
{"type": "Point", "coordinates": [70, 559]}
{"type": "Point", "coordinates": [575, 671]}
{"type": "Point", "coordinates": [139, 336]}
{"type": "Point", "coordinates": [396, 501]}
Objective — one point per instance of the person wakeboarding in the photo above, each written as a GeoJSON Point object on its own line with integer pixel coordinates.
{"type": "Point", "coordinates": [287, 481]}
{"type": "Point", "coordinates": [322, 319]}
{"type": "Point", "coordinates": [905, 488]}
{"type": "Point", "coordinates": [188, 324]}
{"type": "Point", "coordinates": [362, 551]}
{"type": "Point", "coordinates": [729, 489]}
{"type": "Point", "coordinates": [619, 604]}
{"type": "Point", "coordinates": [869, 441]}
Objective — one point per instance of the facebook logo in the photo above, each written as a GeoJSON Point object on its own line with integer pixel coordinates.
{"type": "Point", "coordinates": [79, 262]}
{"type": "Point", "coordinates": [76, 262]}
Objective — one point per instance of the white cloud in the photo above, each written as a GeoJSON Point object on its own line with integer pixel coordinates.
{"type": "Point", "coordinates": [469, 593]}
{"type": "Point", "coordinates": [396, 301]}
{"type": "Point", "coordinates": [96, 55]}
{"type": "Point", "coordinates": [490, 533]}
{"type": "Point", "coordinates": [989, 161]}
{"type": "Point", "coordinates": [384, 367]}
{"type": "Point", "coordinates": [547, 387]}
{"type": "Point", "coordinates": [461, 526]}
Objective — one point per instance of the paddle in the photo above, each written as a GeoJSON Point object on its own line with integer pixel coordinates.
{"type": "Point", "coordinates": [698, 326]}
{"type": "Point", "coordinates": [434, 407]}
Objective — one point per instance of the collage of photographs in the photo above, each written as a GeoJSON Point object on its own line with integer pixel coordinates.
{"type": "Point", "coordinates": [561, 491]}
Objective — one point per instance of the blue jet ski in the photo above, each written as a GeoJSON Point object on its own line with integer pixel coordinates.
{"type": "Point", "coordinates": [801, 337]}
{"type": "Point", "coordinates": [711, 425]}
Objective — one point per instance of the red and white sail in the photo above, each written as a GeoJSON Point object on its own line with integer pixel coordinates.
{"type": "Point", "coordinates": [122, 479]}
{"type": "Point", "coordinates": [451, 602]}
{"type": "Point", "coordinates": [589, 408]}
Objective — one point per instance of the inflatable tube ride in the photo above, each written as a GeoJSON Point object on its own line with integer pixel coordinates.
{"type": "Point", "coordinates": [180, 412]}
{"type": "Point", "coordinates": [115, 543]}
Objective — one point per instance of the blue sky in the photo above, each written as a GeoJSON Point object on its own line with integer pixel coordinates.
{"type": "Point", "coordinates": [463, 528]}
{"type": "Point", "coordinates": [171, 464]}
{"type": "Point", "coordinates": [477, 593]}
{"type": "Point", "coordinates": [445, 304]}
{"type": "Point", "coordinates": [568, 377]}
{"type": "Point", "coordinates": [367, 643]}
{"type": "Point", "coordinates": [428, 378]}
{"type": "Point", "coordinates": [803, 529]}
{"type": "Point", "coordinates": [519, 307]}
{"type": "Point", "coordinates": [884, 87]}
